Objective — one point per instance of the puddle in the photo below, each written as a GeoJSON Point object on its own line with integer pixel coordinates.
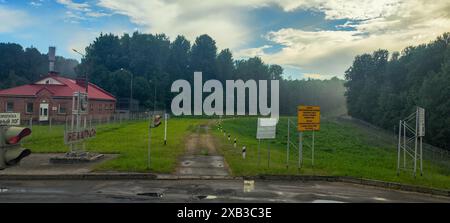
{"type": "Point", "coordinates": [3, 190]}
{"type": "Point", "coordinates": [380, 199]}
{"type": "Point", "coordinates": [326, 201]}
{"type": "Point", "coordinates": [151, 194]}
{"type": "Point", "coordinates": [206, 197]}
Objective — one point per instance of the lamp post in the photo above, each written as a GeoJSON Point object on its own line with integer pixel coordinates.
{"type": "Point", "coordinates": [131, 88]}
{"type": "Point", "coordinates": [86, 73]}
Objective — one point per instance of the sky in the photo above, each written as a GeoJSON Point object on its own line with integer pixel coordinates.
{"type": "Point", "coordinates": [308, 38]}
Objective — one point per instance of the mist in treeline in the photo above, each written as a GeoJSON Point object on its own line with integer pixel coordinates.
{"type": "Point", "coordinates": [155, 61]}
{"type": "Point", "coordinates": [383, 88]}
{"type": "Point", "coordinates": [20, 66]}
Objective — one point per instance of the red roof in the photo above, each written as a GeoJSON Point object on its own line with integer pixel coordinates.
{"type": "Point", "coordinates": [65, 89]}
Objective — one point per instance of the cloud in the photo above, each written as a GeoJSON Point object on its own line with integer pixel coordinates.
{"type": "Point", "coordinates": [36, 3]}
{"type": "Point", "coordinates": [75, 6]}
{"type": "Point", "coordinates": [224, 21]}
{"type": "Point", "coordinates": [386, 25]}
{"type": "Point", "coordinates": [12, 19]}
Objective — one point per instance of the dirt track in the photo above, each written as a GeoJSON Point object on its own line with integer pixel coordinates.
{"type": "Point", "coordinates": [201, 156]}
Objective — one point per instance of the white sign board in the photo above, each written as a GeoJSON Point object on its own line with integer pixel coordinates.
{"type": "Point", "coordinates": [267, 128]}
{"type": "Point", "coordinates": [9, 118]}
{"type": "Point", "coordinates": [421, 121]}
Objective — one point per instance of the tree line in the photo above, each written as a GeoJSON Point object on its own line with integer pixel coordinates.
{"type": "Point", "coordinates": [20, 66]}
{"type": "Point", "coordinates": [153, 61]}
{"type": "Point", "coordinates": [383, 88]}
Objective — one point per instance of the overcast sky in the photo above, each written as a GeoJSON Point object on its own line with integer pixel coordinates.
{"type": "Point", "coordinates": [309, 38]}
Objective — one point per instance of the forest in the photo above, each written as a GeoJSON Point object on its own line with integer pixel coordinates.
{"type": "Point", "coordinates": [383, 88]}
{"type": "Point", "coordinates": [20, 66]}
{"type": "Point", "coordinates": [153, 61]}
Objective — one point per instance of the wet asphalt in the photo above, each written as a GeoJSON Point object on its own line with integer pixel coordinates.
{"type": "Point", "coordinates": [194, 191]}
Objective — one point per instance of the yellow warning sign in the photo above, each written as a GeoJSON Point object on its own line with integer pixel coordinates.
{"type": "Point", "coordinates": [308, 118]}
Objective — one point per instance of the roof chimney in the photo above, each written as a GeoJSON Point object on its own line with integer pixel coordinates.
{"type": "Point", "coordinates": [51, 59]}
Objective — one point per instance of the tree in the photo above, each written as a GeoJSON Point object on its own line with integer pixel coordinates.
{"type": "Point", "coordinates": [225, 65]}
{"type": "Point", "coordinates": [203, 56]}
{"type": "Point", "coordinates": [382, 91]}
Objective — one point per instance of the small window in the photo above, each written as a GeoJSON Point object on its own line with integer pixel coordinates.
{"type": "Point", "coordinates": [29, 108]}
{"type": "Point", "coordinates": [62, 109]}
{"type": "Point", "coordinates": [9, 106]}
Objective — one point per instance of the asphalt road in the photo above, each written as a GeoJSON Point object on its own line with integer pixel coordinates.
{"type": "Point", "coordinates": [201, 191]}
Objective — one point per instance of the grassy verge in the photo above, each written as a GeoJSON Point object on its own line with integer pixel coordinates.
{"type": "Point", "coordinates": [129, 139]}
{"type": "Point", "coordinates": [341, 149]}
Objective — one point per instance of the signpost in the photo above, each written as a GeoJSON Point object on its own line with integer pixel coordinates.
{"type": "Point", "coordinates": [308, 119]}
{"type": "Point", "coordinates": [411, 130]}
{"type": "Point", "coordinates": [78, 132]}
{"type": "Point", "coordinates": [266, 129]}
{"type": "Point", "coordinates": [9, 119]}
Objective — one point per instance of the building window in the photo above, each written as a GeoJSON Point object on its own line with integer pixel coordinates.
{"type": "Point", "coordinates": [62, 109]}
{"type": "Point", "coordinates": [29, 107]}
{"type": "Point", "coordinates": [9, 106]}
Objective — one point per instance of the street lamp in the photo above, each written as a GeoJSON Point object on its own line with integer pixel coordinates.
{"type": "Point", "coordinates": [131, 88]}
{"type": "Point", "coordinates": [86, 73]}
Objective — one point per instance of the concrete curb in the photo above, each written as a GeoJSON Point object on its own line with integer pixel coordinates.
{"type": "Point", "coordinates": [87, 176]}
{"type": "Point", "coordinates": [304, 178]}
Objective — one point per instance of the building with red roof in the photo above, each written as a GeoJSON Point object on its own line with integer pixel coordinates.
{"type": "Point", "coordinates": [51, 98]}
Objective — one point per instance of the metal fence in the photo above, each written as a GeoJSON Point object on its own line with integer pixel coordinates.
{"type": "Point", "coordinates": [94, 119]}
{"type": "Point", "coordinates": [430, 153]}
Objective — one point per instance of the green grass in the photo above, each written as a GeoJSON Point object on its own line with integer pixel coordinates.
{"type": "Point", "coordinates": [129, 139]}
{"type": "Point", "coordinates": [341, 149]}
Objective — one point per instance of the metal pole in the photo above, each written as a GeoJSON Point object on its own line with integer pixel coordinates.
{"type": "Point", "coordinates": [268, 154]}
{"type": "Point", "coordinates": [85, 126]}
{"type": "Point", "coordinates": [399, 146]}
{"type": "Point", "coordinates": [149, 142]}
{"type": "Point", "coordinates": [165, 128]}
{"type": "Point", "coordinates": [312, 158]}
{"type": "Point", "coordinates": [287, 149]}
{"type": "Point", "coordinates": [404, 144]}
{"type": "Point", "coordinates": [415, 144]}
{"type": "Point", "coordinates": [421, 167]}
{"type": "Point", "coordinates": [300, 149]}
{"type": "Point", "coordinates": [259, 151]}
{"type": "Point", "coordinates": [131, 92]}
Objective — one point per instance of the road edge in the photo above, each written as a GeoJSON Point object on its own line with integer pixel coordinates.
{"type": "Point", "coordinates": [305, 178]}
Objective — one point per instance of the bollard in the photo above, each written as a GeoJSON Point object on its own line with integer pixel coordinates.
{"type": "Point", "coordinates": [234, 143]}
{"type": "Point", "coordinates": [229, 137]}
{"type": "Point", "coordinates": [244, 150]}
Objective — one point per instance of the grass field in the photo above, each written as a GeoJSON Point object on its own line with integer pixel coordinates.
{"type": "Point", "coordinates": [130, 139]}
{"type": "Point", "coordinates": [341, 149]}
